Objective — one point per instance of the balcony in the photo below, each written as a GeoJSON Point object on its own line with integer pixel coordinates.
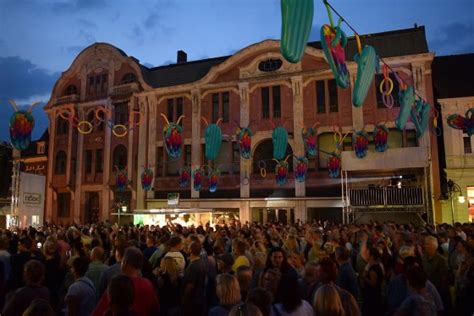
{"type": "Point", "coordinates": [386, 197]}
{"type": "Point", "coordinates": [125, 89]}
{"type": "Point", "coordinates": [71, 98]}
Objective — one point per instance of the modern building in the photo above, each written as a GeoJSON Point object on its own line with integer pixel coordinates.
{"type": "Point", "coordinates": [454, 94]}
{"type": "Point", "coordinates": [107, 112]}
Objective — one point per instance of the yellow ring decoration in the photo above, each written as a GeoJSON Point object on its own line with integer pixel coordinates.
{"type": "Point", "coordinates": [117, 126]}
{"type": "Point", "coordinates": [263, 172]}
{"type": "Point", "coordinates": [86, 123]}
{"type": "Point", "coordinates": [359, 45]}
{"type": "Point", "coordinates": [390, 82]}
{"type": "Point", "coordinates": [337, 136]}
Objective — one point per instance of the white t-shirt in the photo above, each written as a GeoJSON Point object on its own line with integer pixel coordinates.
{"type": "Point", "coordinates": [179, 259]}
{"type": "Point", "coordinates": [305, 309]}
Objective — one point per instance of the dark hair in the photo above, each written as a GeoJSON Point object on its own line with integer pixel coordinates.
{"type": "Point", "coordinates": [342, 253]}
{"type": "Point", "coordinates": [416, 277]}
{"type": "Point", "coordinates": [261, 298]}
{"type": "Point", "coordinates": [34, 272]}
{"type": "Point", "coordinates": [195, 248]}
{"type": "Point", "coordinates": [174, 241]}
{"type": "Point", "coordinates": [374, 253]}
{"type": "Point", "coordinates": [121, 292]}
{"type": "Point", "coordinates": [288, 293]}
{"type": "Point", "coordinates": [80, 265]}
{"type": "Point", "coordinates": [133, 257]}
{"type": "Point", "coordinates": [26, 241]}
{"type": "Point", "coordinates": [328, 270]}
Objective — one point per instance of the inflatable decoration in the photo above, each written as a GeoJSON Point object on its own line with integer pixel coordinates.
{"type": "Point", "coordinates": [244, 137]}
{"type": "Point", "coordinates": [147, 179]}
{"type": "Point", "coordinates": [184, 175]}
{"type": "Point", "coordinates": [367, 66]}
{"type": "Point", "coordinates": [380, 137]}
{"type": "Point", "coordinates": [280, 142]}
{"type": "Point", "coordinates": [310, 136]}
{"type": "Point", "coordinates": [213, 138]}
{"type": "Point", "coordinates": [172, 137]}
{"type": "Point", "coordinates": [334, 165]}
{"type": "Point", "coordinates": [197, 179]}
{"type": "Point", "coordinates": [301, 169]}
{"type": "Point", "coordinates": [466, 123]}
{"type": "Point", "coordinates": [420, 115]}
{"type": "Point", "coordinates": [121, 179]}
{"type": "Point", "coordinates": [213, 179]}
{"type": "Point", "coordinates": [281, 171]}
{"type": "Point", "coordinates": [21, 125]}
{"type": "Point", "coordinates": [360, 143]}
{"type": "Point", "coordinates": [296, 22]}
{"type": "Point", "coordinates": [333, 41]}
{"type": "Point", "coordinates": [407, 99]}
{"type": "Point", "coordinates": [386, 88]}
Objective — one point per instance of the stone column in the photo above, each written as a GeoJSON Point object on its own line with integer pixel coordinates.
{"type": "Point", "coordinates": [152, 135]}
{"type": "Point", "coordinates": [244, 213]}
{"type": "Point", "coordinates": [245, 164]}
{"type": "Point", "coordinates": [49, 180]}
{"type": "Point", "coordinates": [107, 167]}
{"type": "Point", "coordinates": [79, 173]}
{"type": "Point", "coordinates": [142, 151]}
{"type": "Point", "coordinates": [196, 135]}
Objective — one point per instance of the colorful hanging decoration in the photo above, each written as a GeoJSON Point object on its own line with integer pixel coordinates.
{"type": "Point", "coordinates": [407, 100]}
{"type": "Point", "coordinates": [420, 116]}
{"type": "Point", "coordinates": [244, 137]}
{"type": "Point", "coordinates": [296, 22]}
{"type": "Point", "coordinates": [466, 123]}
{"type": "Point", "coordinates": [367, 65]}
{"type": "Point", "coordinates": [281, 171]}
{"type": "Point", "coordinates": [121, 179]}
{"type": "Point", "coordinates": [301, 169]}
{"type": "Point", "coordinates": [360, 143]}
{"type": "Point", "coordinates": [386, 88]}
{"type": "Point", "coordinates": [333, 41]}
{"type": "Point", "coordinates": [21, 125]}
{"type": "Point", "coordinates": [172, 137]}
{"type": "Point", "coordinates": [197, 178]}
{"type": "Point", "coordinates": [280, 142]}
{"type": "Point", "coordinates": [380, 137]}
{"type": "Point", "coordinates": [147, 179]}
{"type": "Point", "coordinates": [213, 138]}
{"type": "Point", "coordinates": [213, 179]}
{"type": "Point", "coordinates": [184, 175]}
{"type": "Point", "coordinates": [334, 165]}
{"type": "Point", "coordinates": [310, 136]}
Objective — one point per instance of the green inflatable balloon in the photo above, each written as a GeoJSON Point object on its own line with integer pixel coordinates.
{"type": "Point", "coordinates": [213, 139]}
{"type": "Point", "coordinates": [280, 142]}
{"type": "Point", "coordinates": [296, 22]}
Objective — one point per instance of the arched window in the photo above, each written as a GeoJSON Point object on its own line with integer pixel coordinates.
{"type": "Point", "coordinates": [120, 156]}
{"type": "Point", "coordinates": [270, 65]}
{"type": "Point", "coordinates": [62, 126]}
{"type": "Point", "coordinates": [121, 113]}
{"type": "Point", "coordinates": [71, 89]}
{"type": "Point", "coordinates": [264, 152]}
{"type": "Point", "coordinates": [60, 163]}
{"type": "Point", "coordinates": [128, 78]}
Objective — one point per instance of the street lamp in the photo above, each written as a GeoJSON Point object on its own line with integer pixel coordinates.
{"type": "Point", "coordinates": [454, 188]}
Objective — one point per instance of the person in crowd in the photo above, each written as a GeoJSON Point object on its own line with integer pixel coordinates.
{"type": "Point", "coordinates": [19, 300]}
{"type": "Point", "coordinates": [328, 302]}
{"type": "Point", "coordinates": [169, 286]}
{"type": "Point", "coordinates": [269, 280]}
{"type": "Point", "coordinates": [150, 246]}
{"type": "Point", "coordinates": [193, 299]}
{"type": "Point", "coordinates": [288, 299]}
{"type": "Point", "coordinates": [96, 267]}
{"type": "Point", "coordinates": [145, 300]}
{"type": "Point", "coordinates": [310, 281]}
{"type": "Point", "coordinates": [297, 261]}
{"type": "Point", "coordinates": [81, 295]}
{"type": "Point", "coordinates": [175, 246]}
{"type": "Point", "coordinates": [262, 299]}
{"type": "Point", "coordinates": [245, 309]}
{"type": "Point", "coordinates": [277, 259]}
{"type": "Point", "coordinates": [224, 263]}
{"type": "Point", "coordinates": [5, 258]}
{"type": "Point", "coordinates": [112, 270]}
{"type": "Point", "coordinates": [244, 275]}
{"type": "Point", "coordinates": [18, 262]}
{"type": "Point", "coordinates": [54, 271]}
{"type": "Point", "coordinates": [121, 295]}
{"type": "Point", "coordinates": [238, 249]}
{"type": "Point", "coordinates": [39, 307]}
{"type": "Point", "coordinates": [346, 278]}
{"type": "Point", "coordinates": [372, 284]}
{"type": "Point", "coordinates": [228, 294]}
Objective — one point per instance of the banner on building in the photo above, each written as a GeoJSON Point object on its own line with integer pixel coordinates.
{"type": "Point", "coordinates": [31, 204]}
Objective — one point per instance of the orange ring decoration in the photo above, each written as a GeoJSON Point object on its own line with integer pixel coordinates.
{"type": "Point", "coordinates": [117, 126]}
{"type": "Point", "coordinates": [69, 110]}
{"type": "Point", "coordinates": [85, 132]}
{"type": "Point", "coordinates": [103, 110]}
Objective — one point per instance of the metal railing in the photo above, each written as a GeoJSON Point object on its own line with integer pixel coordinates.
{"type": "Point", "coordinates": [72, 98]}
{"type": "Point", "coordinates": [386, 196]}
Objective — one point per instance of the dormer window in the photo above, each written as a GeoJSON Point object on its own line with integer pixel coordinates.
{"type": "Point", "coordinates": [270, 65]}
{"type": "Point", "coordinates": [128, 78]}
{"type": "Point", "coordinates": [70, 90]}
{"type": "Point", "coordinates": [97, 84]}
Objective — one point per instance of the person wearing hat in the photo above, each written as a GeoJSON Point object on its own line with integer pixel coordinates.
{"type": "Point", "coordinates": [225, 263]}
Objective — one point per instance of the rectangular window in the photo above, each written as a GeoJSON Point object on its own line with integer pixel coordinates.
{"type": "Point", "coordinates": [265, 102]}
{"type": "Point", "coordinates": [467, 145]}
{"type": "Point", "coordinates": [225, 107]}
{"type": "Point", "coordinates": [63, 204]}
{"type": "Point", "coordinates": [170, 110]}
{"type": "Point", "coordinates": [215, 107]}
{"type": "Point", "coordinates": [187, 155]}
{"type": "Point", "coordinates": [332, 87]}
{"type": "Point", "coordinates": [276, 101]}
{"type": "Point", "coordinates": [410, 138]}
{"type": "Point", "coordinates": [179, 108]}
{"type": "Point", "coordinates": [98, 83]}
{"type": "Point", "coordinates": [159, 161]}
{"type": "Point", "coordinates": [99, 160]}
{"type": "Point", "coordinates": [104, 83]}
{"type": "Point", "coordinates": [320, 97]}
{"type": "Point", "coordinates": [91, 85]}
{"type": "Point", "coordinates": [121, 113]}
{"type": "Point", "coordinates": [88, 166]}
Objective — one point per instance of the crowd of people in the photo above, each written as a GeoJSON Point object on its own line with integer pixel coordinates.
{"type": "Point", "coordinates": [238, 269]}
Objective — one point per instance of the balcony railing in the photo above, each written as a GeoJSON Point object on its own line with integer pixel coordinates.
{"type": "Point", "coordinates": [386, 197]}
{"type": "Point", "coordinates": [72, 98]}
{"type": "Point", "coordinates": [125, 89]}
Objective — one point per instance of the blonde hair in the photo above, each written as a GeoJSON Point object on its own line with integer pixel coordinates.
{"type": "Point", "coordinates": [168, 265]}
{"type": "Point", "coordinates": [327, 302]}
{"type": "Point", "coordinates": [227, 289]}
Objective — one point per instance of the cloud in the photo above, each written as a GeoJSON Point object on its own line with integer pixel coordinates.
{"type": "Point", "coordinates": [453, 38]}
{"type": "Point", "coordinates": [73, 50]}
{"type": "Point", "coordinates": [86, 23]}
{"type": "Point", "coordinates": [71, 6]}
{"type": "Point", "coordinates": [151, 21]}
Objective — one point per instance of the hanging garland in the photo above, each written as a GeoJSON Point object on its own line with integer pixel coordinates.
{"type": "Point", "coordinates": [21, 125]}
{"type": "Point", "coordinates": [244, 137]}
{"type": "Point", "coordinates": [380, 137]}
{"type": "Point", "coordinates": [310, 136]}
{"type": "Point", "coordinates": [213, 179]}
{"type": "Point", "coordinates": [334, 165]}
{"type": "Point", "coordinates": [184, 176]}
{"type": "Point", "coordinates": [465, 124]}
{"type": "Point", "coordinates": [121, 179]}
{"type": "Point", "coordinates": [173, 137]}
{"type": "Point", "coordinates": [197, 178]}
{"type": "Point", "coordinates": [301, 169]}
{"type": "Point", "coordinates": [147, 178]}
{"type": "Point", "coordinates": [360, 143]}
{"type": "Point", "coordinates": [281, 171]}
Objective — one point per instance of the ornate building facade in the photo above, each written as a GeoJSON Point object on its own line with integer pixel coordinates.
{"type": "Point", "coordinates": [107, 113]}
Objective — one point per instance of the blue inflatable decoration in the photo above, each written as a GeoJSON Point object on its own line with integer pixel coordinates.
{"type": "Point", "coordinates": [213, 179]}
{"type": "Point", "coordinates": [147, 179]}
{"type": "Point", "coordinates": [334, 165]}
{"type": "Point", "coordinates": [301, 169]}
{"type": "Point", "coordinates": [407, 99]}
{"type": "Point", "coordinates": [172, 137]}
{"type": "Point", "coordinates": [280, 142]}
{"type": "Point", "coordinates": [281, 171]}
{"type": "Point", "coordinates": [244, 137]}
{"type": "Point", "coordinates": [213, 138]}
{"type": "Point", "coordinates": [360, 143]}
{"type": "Point", "coordinates": [310, 136]}
{"type": "Point", "coordinates": [367, 66]}
{"type": "Point", "coordinates": [465, 124]}
{"type": "Point", "coordinates": [197, 179]}
{"type": "Point", "coordinates": [420, 115]}
{"type": "Point", "coordinates": [380, 137]}
{"type": "Point", "coordinates": [21, 125]}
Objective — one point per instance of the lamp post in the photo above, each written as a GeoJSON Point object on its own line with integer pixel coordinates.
{"type": "Point", "coordinates": [452, 189]}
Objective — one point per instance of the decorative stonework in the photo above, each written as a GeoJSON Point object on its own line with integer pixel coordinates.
{"type": "Point", "coordinates": [252, 71]}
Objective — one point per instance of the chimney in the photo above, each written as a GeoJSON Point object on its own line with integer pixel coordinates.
{"type": "Point", "coordinates": [182, 57]}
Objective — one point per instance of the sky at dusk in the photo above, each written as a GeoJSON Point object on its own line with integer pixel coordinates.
{"type": "Point", "coordinates": [40, 38]}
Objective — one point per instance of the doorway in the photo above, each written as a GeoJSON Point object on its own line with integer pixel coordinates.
{"type": "Point", "coordinates": [91, 210]}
